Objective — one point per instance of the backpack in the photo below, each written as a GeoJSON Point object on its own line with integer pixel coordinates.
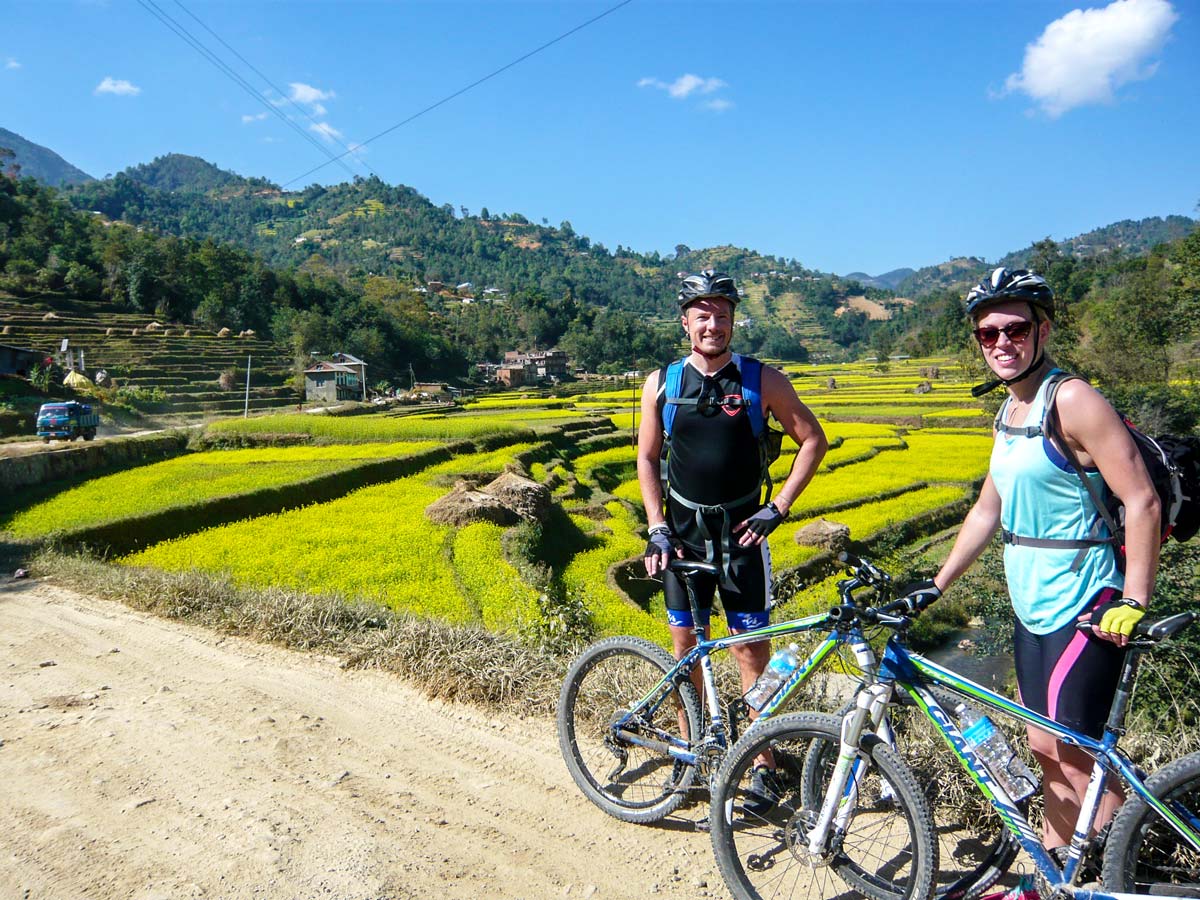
{"type": "Point", "coordinates": [1172, 462]}
{"type": "Point", "coordinates": [770, 441]}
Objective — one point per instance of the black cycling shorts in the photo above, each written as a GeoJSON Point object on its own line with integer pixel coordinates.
{"type": "Point", "coordinates": [746, 608]}
{"type": "Point", "coordinates": [1068, 675]}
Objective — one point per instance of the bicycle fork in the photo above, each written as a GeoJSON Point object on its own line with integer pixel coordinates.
{"type": "Point", "coordinates": [841, 795]}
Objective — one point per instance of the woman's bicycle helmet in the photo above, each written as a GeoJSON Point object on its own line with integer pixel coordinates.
{"type": "Point", "coordinates": [707, 284]}
{"type": "Point", "coordinates": [1005, 285]}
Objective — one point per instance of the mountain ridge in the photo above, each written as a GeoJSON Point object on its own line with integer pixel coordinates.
{"type": "Point", "coordinates": [41, 162]}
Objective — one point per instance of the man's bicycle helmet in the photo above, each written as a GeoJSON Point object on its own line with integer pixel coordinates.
{"type": "Point", "coordinates": [707, 284]}
{"type": "Point", "coordinates": [1005, 285]}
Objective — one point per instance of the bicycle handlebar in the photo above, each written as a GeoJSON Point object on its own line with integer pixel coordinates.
{"type": "Point", "coordinates": [864, 570]}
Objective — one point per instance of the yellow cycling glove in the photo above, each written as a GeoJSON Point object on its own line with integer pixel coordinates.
{"type": "Point", "coordinates": [1118, 616]}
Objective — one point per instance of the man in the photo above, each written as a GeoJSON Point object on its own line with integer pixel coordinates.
{"type": "Point", "coordinates": [714, 509]}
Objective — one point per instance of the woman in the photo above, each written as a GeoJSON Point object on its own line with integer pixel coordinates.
{"type": "Point", "coordinates": [1032, 491]}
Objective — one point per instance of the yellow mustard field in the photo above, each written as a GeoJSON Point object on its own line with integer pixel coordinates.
{"type": "Point", "coordinates": [187, 479]}
{"type": "Point", "coordinates": [374, 543]}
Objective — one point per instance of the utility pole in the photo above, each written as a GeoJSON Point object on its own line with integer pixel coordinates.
{"type": "Point", "coordinates": [633, 425]}
{"type": "Point", "coordinates": [246, 411]}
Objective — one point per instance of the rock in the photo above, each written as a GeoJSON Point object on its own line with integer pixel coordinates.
{"type": "Point", "coordinates": [923, 388]}
{"type": "Point", "coordinates": [528, 499]}
{"type": "Point", "coordinates": [46, 663]}
{"type": "Point", "coordinates": [823, 533]}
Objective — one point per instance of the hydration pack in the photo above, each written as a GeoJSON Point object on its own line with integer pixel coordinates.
{"type": "Point", "coordinates": [1172, 462]}
{"type": "Point", "coordinates": [770, 441]}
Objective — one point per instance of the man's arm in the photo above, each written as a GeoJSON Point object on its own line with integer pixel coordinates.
{"type": "Point", "coordinates": [797, 420]}
{"type": "Point", "coordinates": [649, 450]}
{"type": "Point", "coordinates": [780, 400]}
{"type": "Point", "coordinates": [649, 469]}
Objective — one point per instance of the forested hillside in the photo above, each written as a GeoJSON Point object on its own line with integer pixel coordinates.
{"type": "Point", "coordinates": [36, 161]}
{"type": "Point", "coordinates": [379, 271]}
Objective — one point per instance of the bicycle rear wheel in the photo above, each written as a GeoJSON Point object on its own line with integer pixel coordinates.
{"type": "Point", "coordinates": [1144, 854]}
{"type": "Point", "coordinates": [886, 851]}
{"type": "Point", "coordinates": [615, 727]}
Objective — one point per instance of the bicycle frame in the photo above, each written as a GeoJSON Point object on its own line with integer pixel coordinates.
{"type": "Point", "coordinates": [701, 653]}
{"type": "Point", "coordinates": [914, 674]}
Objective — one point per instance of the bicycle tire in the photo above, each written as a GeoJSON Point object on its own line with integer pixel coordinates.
{"type": "Point", "coordinates": [628, 781]}
{"type": "Point", "coordinates": [1143, 853]}
{"type": "Point", "coordinates": [888, 851]}
{"type": "Point", "coordinates": [973, 854]}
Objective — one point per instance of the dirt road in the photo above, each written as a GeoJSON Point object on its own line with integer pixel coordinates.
{"type": "Point", "coordinates": [141, 758]}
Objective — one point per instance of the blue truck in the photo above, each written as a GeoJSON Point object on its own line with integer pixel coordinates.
{"type": "Point", "coordinates": [67, 420]}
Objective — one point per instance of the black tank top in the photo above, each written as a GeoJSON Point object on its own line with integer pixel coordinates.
{"type": "Point", "coordinates": [714, 456]}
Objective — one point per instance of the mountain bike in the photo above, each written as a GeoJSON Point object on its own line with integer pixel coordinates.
{"type": "Point", "coordinates": [634, 740]}
{"type": "Point", "coordinates": [859, 821]}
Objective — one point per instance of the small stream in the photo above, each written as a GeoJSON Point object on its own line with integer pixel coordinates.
{"type": "Point", "coordinates": [989, 671]}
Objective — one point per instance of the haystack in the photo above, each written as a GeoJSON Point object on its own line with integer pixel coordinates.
{"type": "Point", "coordinates": [224, 332]}
{"type": "Point", "coordinates": [48, 317]}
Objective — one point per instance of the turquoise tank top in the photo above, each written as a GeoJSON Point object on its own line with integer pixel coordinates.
{"type": "Point", "coordinates": [1042, 496]}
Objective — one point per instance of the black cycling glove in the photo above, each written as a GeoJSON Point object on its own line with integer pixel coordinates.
{"type": "Point", "coordinates": [764, 521]}
{"type": "Point", "coordinates": [919, 594]}
{"type": "Point", "coordinates": [661, 541]}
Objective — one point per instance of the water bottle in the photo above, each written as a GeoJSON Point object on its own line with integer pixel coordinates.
{"type": "Point", "coordinates": [778, 670]}
{"type": "Point", "coordinates": [989, 744]}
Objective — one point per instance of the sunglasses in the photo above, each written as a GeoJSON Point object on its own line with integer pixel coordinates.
{"type": "Point", "coordinates": [1014, 331]}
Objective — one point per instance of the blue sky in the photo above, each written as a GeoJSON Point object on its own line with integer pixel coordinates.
{"type": "Point", "coordinates": [848, 135]}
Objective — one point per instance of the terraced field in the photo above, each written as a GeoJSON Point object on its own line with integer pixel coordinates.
{"type": "Point", "coordinates": [895, 470]}
{"type": "Point", "coordinates": [182, 363]}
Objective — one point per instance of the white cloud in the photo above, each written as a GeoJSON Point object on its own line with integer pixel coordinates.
{"type": "Point", "coordinates": [258, 117]}
{"type": "Point", "coordinates": [1086, 55]}
{"type": "Point", "coordinates": [327, 131]}
{"type": "Point", "coordinates": [11, 63]}
{"type": "Point", "coordinates": [718, 104]}
{"type": "Point", "coordinates": [310, 96]}
{"type": "Point", "coordinates": [118, 86]}
{"type": "Point", "coordinates": [684, 85]}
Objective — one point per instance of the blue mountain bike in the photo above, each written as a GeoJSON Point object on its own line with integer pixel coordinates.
{"type": "Point", "coordinates": [859, 821]}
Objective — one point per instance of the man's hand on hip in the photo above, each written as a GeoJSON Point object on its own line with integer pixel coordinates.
{"type": "Point", "coordinates": [756, 528]}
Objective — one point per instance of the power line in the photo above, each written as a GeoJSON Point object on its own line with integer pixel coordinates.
{"type": "Point", "coordinates": [195, 44]}
{"type": "Point", "coordinates": [473, 84]}
{"type": "Point", "coordinates": [273, 86]}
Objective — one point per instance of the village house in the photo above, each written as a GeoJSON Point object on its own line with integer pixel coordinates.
{"type": "Point", "coordinates": [19, 360]}
{"type": "Point", "coordinates": [339, 378]}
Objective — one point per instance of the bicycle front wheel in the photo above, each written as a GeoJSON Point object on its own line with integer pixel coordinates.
{"type": "Point", "coordinates": [618, 721]}
{"type": "Point", "coordinates": [885, 850]}
{"type": "Point", "coordinates": [974, 847]}
{"type": "Point", "coordinates": [1144, 854]}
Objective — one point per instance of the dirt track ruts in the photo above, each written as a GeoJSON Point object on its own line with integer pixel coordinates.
{"type": "Point", "coordinates": [143, 758]}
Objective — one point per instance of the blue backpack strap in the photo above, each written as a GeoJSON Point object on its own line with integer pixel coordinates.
{"type": "Point", "coordinates": [751, 370]}
{"type": "Point", "coordinates": [668, 388]}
